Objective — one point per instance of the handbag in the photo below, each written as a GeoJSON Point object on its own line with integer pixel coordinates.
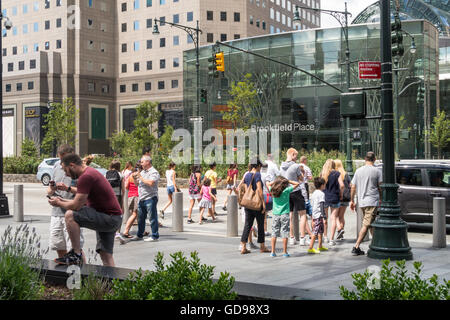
{"type": "Point", "coordinates": [251, 199]}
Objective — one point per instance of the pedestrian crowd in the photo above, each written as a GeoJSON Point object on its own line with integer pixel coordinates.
{"type": "Point", "coordinates": [84, 198]}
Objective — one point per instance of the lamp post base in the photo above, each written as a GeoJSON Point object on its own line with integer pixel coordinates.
{"type": "Point", "coordinates": [4, 208]}
{"type": "Point", "coordinates": [390, 237]}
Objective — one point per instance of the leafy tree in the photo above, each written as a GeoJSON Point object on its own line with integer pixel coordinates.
{"type": "Point", "coordinates": [60, 125]}
{"type": "Point", "coordinates": [123, 143]}
{"type": "Point", "coordinates": [145, 124]}
{"type": "Point", "coordinates": [242, 105]}
{"type": "Point", "coordinates": [439, 134]}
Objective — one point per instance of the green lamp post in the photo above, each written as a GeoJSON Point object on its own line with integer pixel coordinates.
{"type": "Point", "coordinates": [390, 238]}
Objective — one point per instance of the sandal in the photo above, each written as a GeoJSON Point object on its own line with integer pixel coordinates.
{"type": "Point", "coordinates": [245, 251]}
{"type": "Point", "coordinates": [146, 233]}
{"type": "Point", "coordinates": [264, 250]}
{"type": "Point", "coordinates": [126, 235]}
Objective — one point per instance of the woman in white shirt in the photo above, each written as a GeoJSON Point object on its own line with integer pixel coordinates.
{"type": "Point", "coordinates": [171, 186]}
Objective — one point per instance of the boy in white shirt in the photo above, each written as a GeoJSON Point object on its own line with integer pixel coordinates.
{"type": "Point", "coordinates": [318, 212]}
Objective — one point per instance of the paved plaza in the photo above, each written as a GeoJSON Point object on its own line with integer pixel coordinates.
{"type": "Point", "coordinates": [321, 274]}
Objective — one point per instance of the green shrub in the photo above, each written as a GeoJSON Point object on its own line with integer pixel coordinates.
{"type": "Point", "coordinates": [19, 251]}
{"type": "Point", "coordinates": [183, 279]}
{"type": "Point", "coordinates": [396, 285]}
{"type": "Point", "coordinates": [21, 165]}
{"type": "Point", "coordinates": [92, 288]}
{"type": "Point", "coordinates": [29, 148]}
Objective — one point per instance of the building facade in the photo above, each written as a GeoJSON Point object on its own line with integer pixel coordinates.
{"type": "Point", "coordinates": [306, 111]}
{"type": "Point", "coordinates": [103, 54]}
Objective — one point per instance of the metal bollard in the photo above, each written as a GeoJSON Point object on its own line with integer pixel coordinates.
{"type": "Point", "coordinates": [232, 216]}
{"type": "Point", "coordinates": [126, 211]}
{"type": "Point", "coordinates": [18, 203]}
{"type": "Point", "coordinates": [296, 225]}
{"type": "Point", "coordinates": [359, 223]}
{"type": "Point", "coordinates": [439, 226]}
{"type": "Point", "coordinates": [177, 216]}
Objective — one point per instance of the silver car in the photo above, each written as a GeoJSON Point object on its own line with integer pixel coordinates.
{"type": "Point", "coordinates": [45, 169]}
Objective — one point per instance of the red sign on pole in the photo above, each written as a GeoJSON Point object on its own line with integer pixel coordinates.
{"type": "Point", "coordinates": [369, 69]}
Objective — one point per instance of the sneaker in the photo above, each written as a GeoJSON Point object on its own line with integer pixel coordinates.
{"type": "Point", "coordinates": [272, 254]}
{"type": "Point", "coordinates": [357, 252]}
{"type": "Point", "coordinates": [204, 219]}
{"type": "Point", "coordinates": [340, 235]}
{"type": "Point", "coordinates": [292, 241]}
{"type": "Point", "coordinates": [150, 239]}
{"type": "Point", "coordinates": [190, 221]}
{"type": "Point", "coordinates": [304, 242]}
{"type": "Point", "coordinates": [136, 238]}
{"type": "Point", "coordinates": [70, 258]}
{"type": "Point", "coordinates": [313, 250]}
{"type": "Point", "coordinates": [323, 249]}
{"type": "Point", "coordinates": [286, 255]}
{"type": "Point", "coordinates": [117, 236]}
{"type": "Point", "coordinates": [161, 214]}
{"type": "Point", "coordinates": [253, 246]}
{"type": "Point", "coordinates": [325, 239]}
{"type": "Point", "coordinates": [332, 243]}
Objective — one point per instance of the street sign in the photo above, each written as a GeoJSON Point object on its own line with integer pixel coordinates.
{"type": "Point", "coordinates": [369, 69]}
{"type": "Point", "coordinates": [194, 119]}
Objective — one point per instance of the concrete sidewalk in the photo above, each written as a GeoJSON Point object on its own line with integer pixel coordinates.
{"type": "Point", "coordinates": [322, 274]}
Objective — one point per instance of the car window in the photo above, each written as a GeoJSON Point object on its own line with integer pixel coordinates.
{"type": "Point", "coordinates": [51, 162]}
{"type": "Point", "coordinates": [439, 178]}
{"type": "Point", "coordinates": [409, 177]}
{"type": "Point", "coordinates": [94, 165]}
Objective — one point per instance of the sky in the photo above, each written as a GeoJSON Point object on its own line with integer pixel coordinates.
{"type": "Point", "coordinates": [353, 6]}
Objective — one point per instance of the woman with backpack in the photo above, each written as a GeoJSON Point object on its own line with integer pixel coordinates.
{"type": "Point", "coordinates": [115, 180]}
{"type": "Point", "coordinates": [232, 176]}
{"type": "Point", "coordinates": [333, 195]}
{"type": "Point", "coordinates": [194, 189]}
{"type": "Point", "coordinates": [345, 199]}
{"type": "Point", "coordinates": [253, 202]}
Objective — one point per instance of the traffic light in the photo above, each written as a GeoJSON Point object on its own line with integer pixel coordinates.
{"type": "Point", "coordinates": [212, 67]}
{"type": "Point", "coordinates": [220, 62]}
{"type": "Point", "coordinates": [420, 94]}
{"type": "Point", "coordinates": [216, 64]}
{"type": "Point", "coordinates": [397, 37]}
{"type": "Point", "coordinates": [203, 95]}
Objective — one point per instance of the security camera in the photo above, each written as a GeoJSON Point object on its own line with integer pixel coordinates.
{"type": "Point", "coordinates": [8, 24]}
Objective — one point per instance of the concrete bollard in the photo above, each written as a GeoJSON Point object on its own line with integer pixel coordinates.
{"type": "Point", "coordinates": [232, 216]}
{"type": "Point", "coordinates": [18, 203]}
{"type": "Point", "coordinates": [439, 226]}
{"type": "Point", "coordinates": [177, 215]}
{"type": "Point", "coordinates": [359, 223]}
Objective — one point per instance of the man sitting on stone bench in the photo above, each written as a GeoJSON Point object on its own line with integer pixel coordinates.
{"type": "Point", "coordinates": [95, 207]}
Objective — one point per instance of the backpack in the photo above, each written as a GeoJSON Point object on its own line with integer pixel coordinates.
{"type": "Point", "coordinates": [193, 186]}
{"type": "Point", "coordinates": [229, 178]}
{"type": "Point", "coordinates": [113, 178]}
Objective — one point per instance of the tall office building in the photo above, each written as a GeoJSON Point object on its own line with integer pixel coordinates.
{"type": "Point", "coordinates": [103, 54]}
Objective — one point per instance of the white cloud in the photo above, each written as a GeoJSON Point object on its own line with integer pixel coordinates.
{"type": "Point", "coordinates": [353, 6]}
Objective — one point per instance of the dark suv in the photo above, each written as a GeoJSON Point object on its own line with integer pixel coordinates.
{"type": "Point", "coordinates": [419, 182]}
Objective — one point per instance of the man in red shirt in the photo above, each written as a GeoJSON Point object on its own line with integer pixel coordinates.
{"type": "Point", "coordinates": [95, 207]}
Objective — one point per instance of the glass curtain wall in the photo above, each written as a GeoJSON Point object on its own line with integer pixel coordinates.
{"type": "Point", "coordinates": [290, 97]}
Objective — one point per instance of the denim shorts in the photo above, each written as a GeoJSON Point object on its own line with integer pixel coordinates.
{"type": "Point", "coordinates": [170, 190]}
{"type": "Point", "coordinates": [332, 205]}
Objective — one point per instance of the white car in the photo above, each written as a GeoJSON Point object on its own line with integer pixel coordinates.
{"type": "Point", "coordinates": [45, 169]}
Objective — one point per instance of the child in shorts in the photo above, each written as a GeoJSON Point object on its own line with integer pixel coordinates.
{"type": "Point", "coordinates": [280, 189]}
{"type": "Point", "coordinates": [206, 195]}
{"type": "Point", "coordinates": [318, 213]}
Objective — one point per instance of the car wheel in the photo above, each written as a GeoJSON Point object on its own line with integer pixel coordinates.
{"type": "Point", "coordinates": [45, 179]}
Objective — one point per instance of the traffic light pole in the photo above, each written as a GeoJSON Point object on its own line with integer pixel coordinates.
{"type": "Point", "coordinates": [390, 238]}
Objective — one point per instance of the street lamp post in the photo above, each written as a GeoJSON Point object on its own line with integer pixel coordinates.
{"type": "Point", "coordinates": [342, 18]}
{"type": "Point", "coordinates": [194, 34]}
{"type": "Point", "coordinates": [4, 209]}
{"type": "Point", "coordinates": [390, 238]}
